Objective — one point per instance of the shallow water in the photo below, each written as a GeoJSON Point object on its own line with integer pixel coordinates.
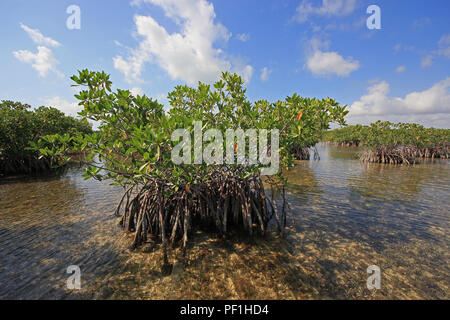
{"type": "Point", "coordinates": [348, 216]}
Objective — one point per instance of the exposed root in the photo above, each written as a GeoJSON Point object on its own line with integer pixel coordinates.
{"type": "Point", "coordinates": [25, 165]}
{"type": "Point", "coordinates": [403, 155]}
{"type": "Point", "coordinates": [439, 151]}
{"type": "Point", "coordinates": [224, 203]}
{"type": "Point", "coordinates": [345, 143]}
{"type": "Point", "coordinates": [301, 153]}
{"type": "Point", "coordinates": [385, 156]}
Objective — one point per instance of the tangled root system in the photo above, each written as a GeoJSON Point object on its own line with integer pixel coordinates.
{"type": "Point", "coordinates": [24, 165]}
{"type": "Point", "coordinates": [224, 203]}
{"type": "Point", "coordinates": [403, 155]}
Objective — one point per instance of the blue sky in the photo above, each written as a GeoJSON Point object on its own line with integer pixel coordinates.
{"type": "Point", "coordinates": [315, 48]}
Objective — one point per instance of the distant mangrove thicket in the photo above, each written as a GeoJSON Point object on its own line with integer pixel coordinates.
{"type": "Point", "coordinates": [163, 201]}
{"type": "Point", "coordinates": [394, 143]}
{"type": "Point", "coordinates": [21, 127]}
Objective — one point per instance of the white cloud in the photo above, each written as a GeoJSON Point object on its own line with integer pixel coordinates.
{"type": "Point", "coordinates": [39, 38]}
{"type": "Point", "coordinates": [117, 43]}
{"type": "Point", "coordinates": [161, 96]}
{"type": "Point", "coordinates": [241, 68]}
{"type": "Point", "coordinates": [400, 69]}
{"type": "Point", "coordinates": [42, 61]}
{"type": "Point", "coordinates": [132, 68]}
{"type": "Point", "coordinates": [162, 99]}
{"type": "Point", "coordinates": [427, 61]}
{"type": "Point", "coordinates": [246, 72]}
{"type": "Point", "coordinates": [265, 73]}
{"type": "Point", "coordinates": [444, 46]}
{"type": "Point", "coordinates": [435, 100]}
{"type": "Point", "coordinates": [137, 91]}
{"type": "Point", "coordinates": [69, 108]}
{"type": "Point", "coordinates": [316, 44]}
{"type": "Point", "coordinates": [402, 47]}
{"type": "Point", "coordinates": [430, 107]}
{"type": "Point", "coordinates": [244, 37]}
{"type": "Point", "coordinates": [321, 62]}
{"type": "Point", "coordinates": [442, 50]}
{"type": "Point", "coordinates": [328, 63]}
{"type": "Point", "coordinates": [328, 8]}
{"type": "Point", "coordinates": [190, 54]}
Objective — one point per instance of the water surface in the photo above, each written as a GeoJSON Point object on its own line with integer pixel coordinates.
{"type": "Point", "coordinates": [348, 216]}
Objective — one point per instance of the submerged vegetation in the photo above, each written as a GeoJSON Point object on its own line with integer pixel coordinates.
{"type": "Point", "coordinates": [163, 201]}
{"type": "Point", "coordinates": [394, 143]}
{"type": "Point", "coordinates": [21, 128]}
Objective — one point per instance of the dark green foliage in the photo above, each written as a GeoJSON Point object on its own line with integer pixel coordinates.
{"type": "Point", "coordinates": [22, 127]}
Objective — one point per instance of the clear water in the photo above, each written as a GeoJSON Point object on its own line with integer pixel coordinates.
{"type": "Point", "coordinates": [348, 216]}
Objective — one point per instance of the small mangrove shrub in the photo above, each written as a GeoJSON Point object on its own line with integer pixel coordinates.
{"type": "Point", "coordinates": [164, 199]}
